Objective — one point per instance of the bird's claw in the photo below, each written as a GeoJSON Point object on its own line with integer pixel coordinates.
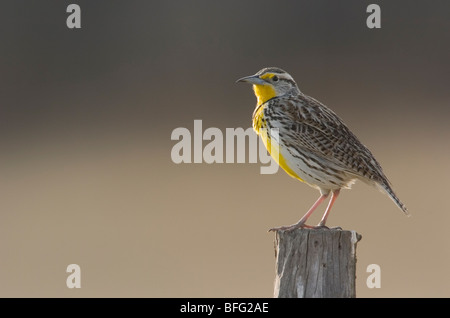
{"type": "Point", "coordinates": [303, 226]}
{"type": "Point", "coordinates": [290, 227]}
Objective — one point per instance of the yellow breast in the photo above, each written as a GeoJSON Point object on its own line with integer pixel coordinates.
{"type": "Point", "coordinates": [272, 146]}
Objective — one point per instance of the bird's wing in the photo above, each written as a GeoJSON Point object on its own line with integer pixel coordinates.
{"type": "Point", "coordinates": [315, 128]}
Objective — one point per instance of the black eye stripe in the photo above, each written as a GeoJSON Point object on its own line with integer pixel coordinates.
{"type": "Point", "coordinates": [287, 80]}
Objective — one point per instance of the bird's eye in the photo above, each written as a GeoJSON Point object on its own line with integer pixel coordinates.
{"type": "Point", "coordinates": [275, 78]}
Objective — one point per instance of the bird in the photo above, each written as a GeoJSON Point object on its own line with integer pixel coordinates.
{"type": "Point", "coordinates": [311, 143]}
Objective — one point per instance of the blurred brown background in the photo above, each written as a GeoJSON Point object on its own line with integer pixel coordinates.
{"type": "Point", "coordinates": [85, 123]}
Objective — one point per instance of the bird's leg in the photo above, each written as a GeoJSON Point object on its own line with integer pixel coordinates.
{"type": "Point", "coordinates": [302, 221]}
{"type": "Point", "coordinates": [334, 196]}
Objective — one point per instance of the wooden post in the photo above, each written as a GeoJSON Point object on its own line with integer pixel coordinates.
{"type": "Point", "coordinates": [318, 263]}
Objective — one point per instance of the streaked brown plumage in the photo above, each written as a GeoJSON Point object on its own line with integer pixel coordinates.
{"type": "Point", "coordinates": [315, 146]}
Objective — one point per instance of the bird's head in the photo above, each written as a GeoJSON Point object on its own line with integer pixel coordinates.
{"type": "Point", "coordinates": [271, 82]}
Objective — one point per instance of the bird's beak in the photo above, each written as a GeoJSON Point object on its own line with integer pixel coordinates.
{"type": "Point", "coordinates": [253, 79]}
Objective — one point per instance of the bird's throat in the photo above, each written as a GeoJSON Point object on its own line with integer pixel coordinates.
{"type": "Point", "coordinates": [264, 93]}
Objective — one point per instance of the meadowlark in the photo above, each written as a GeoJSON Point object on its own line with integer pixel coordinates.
{"type": "Point", "coordinates": [314, 145]}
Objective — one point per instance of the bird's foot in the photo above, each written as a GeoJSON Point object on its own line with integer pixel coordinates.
{"type": "Point", "coordinates": [303, 226]}
{"type": "Point", "coordinates": [323, 226]}
{"type": "Point", "coordinates": [291, 227]}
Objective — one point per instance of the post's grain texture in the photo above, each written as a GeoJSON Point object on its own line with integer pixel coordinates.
{"type": "Point", "coordinates": [318, 263]}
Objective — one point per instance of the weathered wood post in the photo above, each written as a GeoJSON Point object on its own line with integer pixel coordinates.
{"type": "Point", "coordinates": [318, 263]}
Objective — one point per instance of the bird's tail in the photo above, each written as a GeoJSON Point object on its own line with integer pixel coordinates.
{"type": "Point", "coordinates": [385, 187]}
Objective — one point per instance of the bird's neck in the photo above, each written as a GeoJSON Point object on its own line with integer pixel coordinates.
{"type": "Point", "coordinates": [264, 93]}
